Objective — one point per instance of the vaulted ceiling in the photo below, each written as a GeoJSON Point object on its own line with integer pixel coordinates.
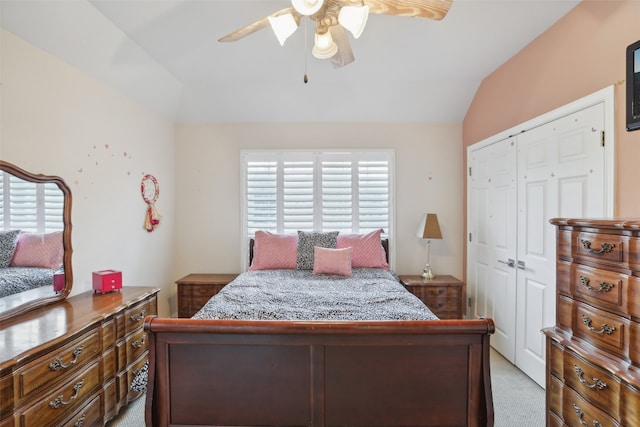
{"type": "Point", "coordinates": [166, 55]}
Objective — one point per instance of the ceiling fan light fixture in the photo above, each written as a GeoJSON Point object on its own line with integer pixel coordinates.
{"type": "Point", "coordinates": [307, 7]}
{"type": "Point", "coordinates": [354, 19]}
{"type": "Point", "coordinates": [324, 46]}
{"type": "Point", "coordinates": [283, 26]}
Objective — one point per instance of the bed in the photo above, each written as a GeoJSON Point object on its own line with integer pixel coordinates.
{"type": "Point", "coordinates": [20, 279]}
{"type": "Point", "coordinates": [246, 360]}
{"type": "Point", "coordinates": [28, 260]}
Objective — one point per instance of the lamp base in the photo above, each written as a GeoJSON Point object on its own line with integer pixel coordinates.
{"type": "Point", "coordinates": [427, 273]}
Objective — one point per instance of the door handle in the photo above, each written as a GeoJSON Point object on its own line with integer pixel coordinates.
{"type": "Point", "coordinates": [510, 262]}
{"type": "Point", "coordinates": [521, 265]}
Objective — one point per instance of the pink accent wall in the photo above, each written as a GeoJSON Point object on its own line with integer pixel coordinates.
{"type": "Point", "coordinates": [581, 54]}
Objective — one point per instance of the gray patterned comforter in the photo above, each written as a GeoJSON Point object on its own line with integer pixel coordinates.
{"type": "Point", "coordinates": [370, 294]}
{"type": "Point", "coordinates": [19, 279]}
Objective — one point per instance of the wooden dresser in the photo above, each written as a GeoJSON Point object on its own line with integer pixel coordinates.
{"type": "Point", "coordinates": [71, 363]}
{"type": "Point", "coordinates": [442, 294]}
{"type": "Point", "coordinates": [593, 352]}
{"type": "Point", "coordinates": [195, 289]}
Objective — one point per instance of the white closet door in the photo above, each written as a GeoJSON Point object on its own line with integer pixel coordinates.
{"type": "Point", "coordinates": [492, 247]}
{"type": "Point", "coordinates": [560, 174]}
{"type": "Point", "coordinates": [556, 165]}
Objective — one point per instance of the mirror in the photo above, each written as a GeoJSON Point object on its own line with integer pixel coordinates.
{"type": "Point", "coordinates": [35, 240]}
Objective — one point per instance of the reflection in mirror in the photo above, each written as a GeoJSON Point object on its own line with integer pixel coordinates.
{"type": "Point", "coordinates": [35, 240]}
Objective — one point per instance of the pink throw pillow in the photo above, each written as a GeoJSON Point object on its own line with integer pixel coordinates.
{"type": "Point", "coordinates": [38, 250]}
{"type": "Point", "coordinates": [367, 249]}
{"type": "Point", "coordinates": [274, 251]}
{"type": "Point", "coordinates": [332, 261]}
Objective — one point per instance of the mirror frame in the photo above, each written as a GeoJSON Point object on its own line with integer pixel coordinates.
{"type": "Point", "coordinates": [13, 309]}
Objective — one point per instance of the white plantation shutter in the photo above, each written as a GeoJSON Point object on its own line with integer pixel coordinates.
{"type": "Point", "coordinates": [30, 206]}
{"type": "Point", "coordinates": [298, 196]}
{"type": "Point", "coordinates": [262, 199]}
{"type": "Point", "coordinates": [373, 195]}
{"type": "Point", "coordinates": [337, 195]}
{"type": "Point", "coordinates": [287, 191]}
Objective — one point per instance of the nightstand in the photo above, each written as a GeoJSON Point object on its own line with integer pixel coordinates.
{"type": "Point", "coordinates": [194, 290]}
{"type": "Point", "coordinates": [442, 294]}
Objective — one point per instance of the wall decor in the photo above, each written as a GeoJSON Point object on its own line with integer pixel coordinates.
{"type": "Point", "coordinates": [633, 86]}
{"type": "Point", "coordinates": [150, 192]}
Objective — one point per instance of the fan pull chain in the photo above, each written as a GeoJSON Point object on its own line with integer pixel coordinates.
{"type": "Point", "coordinates": [306, 79]}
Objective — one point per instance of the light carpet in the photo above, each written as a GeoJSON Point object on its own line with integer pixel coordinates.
{"type": "Point", "coordinates": [517, 400]}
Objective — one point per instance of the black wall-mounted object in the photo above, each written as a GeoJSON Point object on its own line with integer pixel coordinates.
{"type": "Point", "coordinates": [633, 86]}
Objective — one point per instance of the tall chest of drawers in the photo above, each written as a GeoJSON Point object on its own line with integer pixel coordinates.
{"type": "Point", "coordinates": [71, 363]}
{"type": "Point", "coordinates": [593, 351]}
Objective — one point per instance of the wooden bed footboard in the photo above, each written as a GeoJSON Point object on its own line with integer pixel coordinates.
{"type": "Point", "coordinates": [285, 373]}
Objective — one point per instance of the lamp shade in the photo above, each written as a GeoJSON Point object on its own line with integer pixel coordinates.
{"type": "Point", "coordinates": [307, 7]}
{"type": "Point", "coordinates": [283, 26]}
{"type": "Point", "coordinates": [324, 46]}
{"type": "Point", "coordinates": [429, 227]}
{"type": "Point", "coordinates": [354, 19]}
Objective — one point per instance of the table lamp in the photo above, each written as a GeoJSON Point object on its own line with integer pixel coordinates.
{"type": "Point", "coordinates": [429, 229]}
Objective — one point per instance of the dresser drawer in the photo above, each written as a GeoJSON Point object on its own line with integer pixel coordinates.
{"type": "Point", "coordinates": [86, 416]}
{"type": "Point", "coordinates": [59, 363]}
{"type": "Point", "coordinates": [577, 412]}
{"type": "Point", "coordinates": [554, 396]}
{"type": "Point", "coordinates": [634, 253]}
{"type": "Point", "coordinates": [602, 288]}
{"type": "Point", "coordinates": [601, 249]}
{"type": "Point", "coordinates": [592, 383]}
{"type": "Point", "coordinates": [6, 393]}
{"type": "Point", "coordinates": [136, 345]}
{"type": "Point", "coordinates": [555, 359]}
{"type": "Point", "coordinates": [134, 316]}
{"type": "Point", "coordinates": [602, 329]}
{"type": "Point", "coordinates": [65, 400]}
{"type": "Point", "coordinates": [630, 405]}
{"type": "Point", "coordinates": [563, 278]}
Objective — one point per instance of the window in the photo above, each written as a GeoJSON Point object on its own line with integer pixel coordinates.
{"type": "Point", "coordinates": [30, 206]}
{"type": "Point", "coordinates": [287, 191]}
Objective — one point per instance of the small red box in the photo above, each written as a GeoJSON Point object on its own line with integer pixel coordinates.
{"type": "Point", "coordinates": [107, 281]}
{"type": "Point", "coordinates": [58, 282]}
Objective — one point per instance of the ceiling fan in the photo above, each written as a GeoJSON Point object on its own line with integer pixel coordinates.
{"type": "Point", "coordinates": [332, 17]}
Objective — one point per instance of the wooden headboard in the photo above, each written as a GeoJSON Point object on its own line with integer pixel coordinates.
{"type": "Point", "coordinates": [385, 245]}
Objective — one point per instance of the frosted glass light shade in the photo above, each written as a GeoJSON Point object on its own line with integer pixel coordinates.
{"type": "Point", "coordinates": [283, 26]}
{"type": "Point", "coordinates": [307, 7]}
{"type": "Point", "coordinates": [324, 46]}
{"type": "Point", "coordinates": [354, 19]}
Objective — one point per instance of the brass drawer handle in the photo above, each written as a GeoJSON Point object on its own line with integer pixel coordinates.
{"type": "Point", "coordinates": [435, 292]}
{"type": "Point", "coordinates": [58, 363]}
{"type": "Point", "coordinates": [596, 382]}
{"type": "Point", "coordinates": [604, 247]}
{"type": "Point", "coordinates": [605, 329]}
{"type": "Point", "coordinates": [59, 401]}
{"type": "Point", "coordinates": [138, 317]}
{"type": "Point", "coordinates": [604, 286]}
{"type": "Point", "coordinates": [80, 421]}
{"type": "Point", "coordinates": [138, 344]}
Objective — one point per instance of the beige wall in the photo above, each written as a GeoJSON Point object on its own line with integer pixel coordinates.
{"type": "Point", "coordinates": [428, 178]}
{"type": "Point", "coordinates": [583, 53]}
{"type": "Point", "coordinates": [57, 121]}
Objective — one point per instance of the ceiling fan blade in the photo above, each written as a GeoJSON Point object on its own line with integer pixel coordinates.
{"type": "Point", "coordinates": [258, 25]}
{"type": "Point", "coordinates": [430, 9]}
{"type": "Point", "coordinates": [344, 55]}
